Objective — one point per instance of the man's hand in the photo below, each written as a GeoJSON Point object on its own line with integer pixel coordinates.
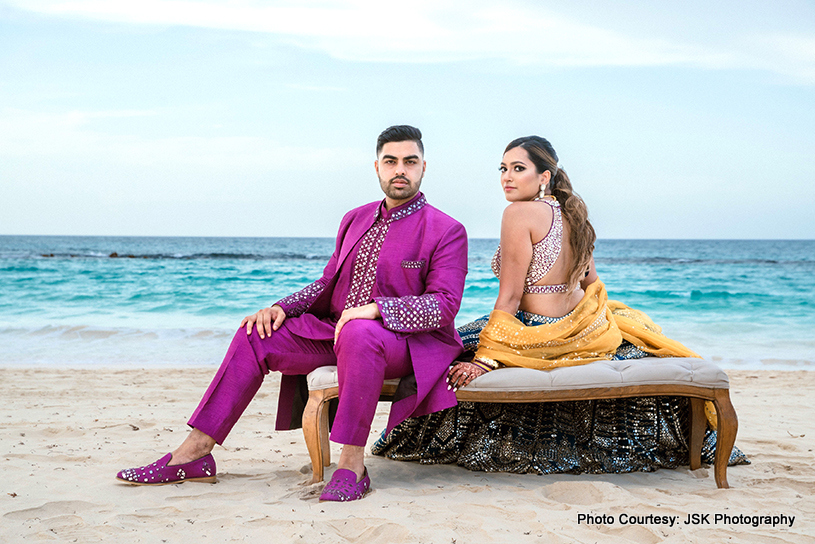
{"type": "Point", "coordinates": [462, 374]}
{"type": "Point", "coordinates": [369, 311]}
{"type": "Point", "coordinates": [267, 319]}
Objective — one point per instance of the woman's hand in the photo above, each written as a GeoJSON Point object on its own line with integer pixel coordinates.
{"type": "Point", "coordinates": [267, 319]}
{"type": "Point", "coordinates": [462, 374]}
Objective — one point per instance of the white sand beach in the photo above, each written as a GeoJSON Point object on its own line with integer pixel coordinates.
{"type": "Point", "coordinates": [64, 433]}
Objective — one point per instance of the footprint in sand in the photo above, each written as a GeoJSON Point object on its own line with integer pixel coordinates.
{"type": "Point", "coordinates": [585, 493]}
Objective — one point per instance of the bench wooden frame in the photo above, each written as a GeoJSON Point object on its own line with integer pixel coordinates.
{"type": "Point", "coordinates": [315, 416]}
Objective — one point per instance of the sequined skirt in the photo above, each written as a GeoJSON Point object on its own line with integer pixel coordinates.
{"type": "Point", "coordinates": [594, 436]}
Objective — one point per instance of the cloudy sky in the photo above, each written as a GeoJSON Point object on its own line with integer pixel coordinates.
{"type": "Point", "coordinates": [258, 118]}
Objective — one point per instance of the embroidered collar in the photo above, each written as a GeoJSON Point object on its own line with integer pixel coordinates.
{"type": "Point", "coordinates": [403, 210]}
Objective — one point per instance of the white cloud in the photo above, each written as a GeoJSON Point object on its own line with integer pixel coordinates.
{"type": "Point", "coordinates": [438, 31]}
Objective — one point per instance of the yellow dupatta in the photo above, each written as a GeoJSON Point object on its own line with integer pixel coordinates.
{"type": "Point", "coordinates": [591, 332]}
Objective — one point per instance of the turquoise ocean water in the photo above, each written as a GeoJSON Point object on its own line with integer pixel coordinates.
{"type": "Point", "coordinates": [158, 301]}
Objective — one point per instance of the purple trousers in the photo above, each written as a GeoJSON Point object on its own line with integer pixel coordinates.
{"type": "Point", "coordinates": [366, 354]}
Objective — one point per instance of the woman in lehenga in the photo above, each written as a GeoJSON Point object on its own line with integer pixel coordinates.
{"type": "Point", "coordinates": [552, 311]}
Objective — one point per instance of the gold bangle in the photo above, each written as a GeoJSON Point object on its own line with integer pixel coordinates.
{"type": "Point", "coordinates": [482, 366]}
{"type": "Point", "coordinates": [486, 361]}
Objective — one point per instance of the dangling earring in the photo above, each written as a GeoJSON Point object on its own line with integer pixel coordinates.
{"type": "Point", "coordinates": [542, 192]}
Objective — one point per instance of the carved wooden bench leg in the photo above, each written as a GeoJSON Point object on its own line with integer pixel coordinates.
{"type": "Point", "coordinates": [698, 424]}
{"type": "Point", "coordinates": [315, 431]}
{"type": "Point", "coordinates": [325, 447]}
{"type": "Point", "coordinates": [727, 425]}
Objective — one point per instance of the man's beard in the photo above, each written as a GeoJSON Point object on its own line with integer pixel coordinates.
{"type": "Point", "coordinates": [400, 193]}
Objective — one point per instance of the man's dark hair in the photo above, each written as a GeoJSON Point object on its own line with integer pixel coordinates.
{"type": "Point", "coordinates": [399, 133]}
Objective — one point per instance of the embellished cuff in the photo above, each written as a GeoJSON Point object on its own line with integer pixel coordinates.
{"type": "Point", "coordinates": [297, 303]}
{"type": "Point", "coordinates": [410, 313]}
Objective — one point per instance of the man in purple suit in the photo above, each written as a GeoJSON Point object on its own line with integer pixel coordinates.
{"type": "Point", "coordinates": [383, 309]}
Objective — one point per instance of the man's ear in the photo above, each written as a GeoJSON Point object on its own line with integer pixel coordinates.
{"type": "Point", "coordinates": [376, 166]}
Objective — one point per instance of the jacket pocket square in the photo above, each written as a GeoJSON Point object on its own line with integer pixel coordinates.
{"type": "Point", "coordinates": [413, 264]}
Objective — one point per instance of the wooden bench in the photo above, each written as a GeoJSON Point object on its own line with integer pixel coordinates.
{"type": "Point", "coordinates": [697, 379]}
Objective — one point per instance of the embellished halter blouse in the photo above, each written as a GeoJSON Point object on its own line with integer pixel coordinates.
{"type": "Point", "coordinates": [544, 254]}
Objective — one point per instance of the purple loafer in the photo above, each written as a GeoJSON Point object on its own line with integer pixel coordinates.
{"type": "Point", "coordinates": [345, 487]}
{"type": "Point", "coordinates": [200, 470]}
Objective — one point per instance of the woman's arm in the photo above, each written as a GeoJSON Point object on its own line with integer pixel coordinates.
{"type": "Point", "coordinates": [516, 252]}
{"type": "Point", "coordinates": [591, 277]}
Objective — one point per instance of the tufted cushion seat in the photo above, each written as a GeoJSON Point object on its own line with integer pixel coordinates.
{"type": "Point", "coordinates": [325, 377]}
{"type": "Point", "coordinates": [698, 379]}
{"type": "Point", "coordinates": [647, 371]}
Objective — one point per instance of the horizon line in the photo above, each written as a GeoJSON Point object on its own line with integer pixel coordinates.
{"type": "Point", "coordinates": [334, 237]}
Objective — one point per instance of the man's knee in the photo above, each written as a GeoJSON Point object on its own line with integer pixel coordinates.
{"type": "Point", "coordinates": [270, 353]}
{"type": "Point", "coordinates": [361, 335]}
{"type": "Point", "coordinates": [277, 340]}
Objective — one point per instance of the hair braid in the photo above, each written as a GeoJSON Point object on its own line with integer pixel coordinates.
{"type": "Point", "coordinates": [576, 213]}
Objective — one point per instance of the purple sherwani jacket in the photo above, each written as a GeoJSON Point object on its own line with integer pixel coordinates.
{"type": "Point", "coordinates": [418, 289]}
